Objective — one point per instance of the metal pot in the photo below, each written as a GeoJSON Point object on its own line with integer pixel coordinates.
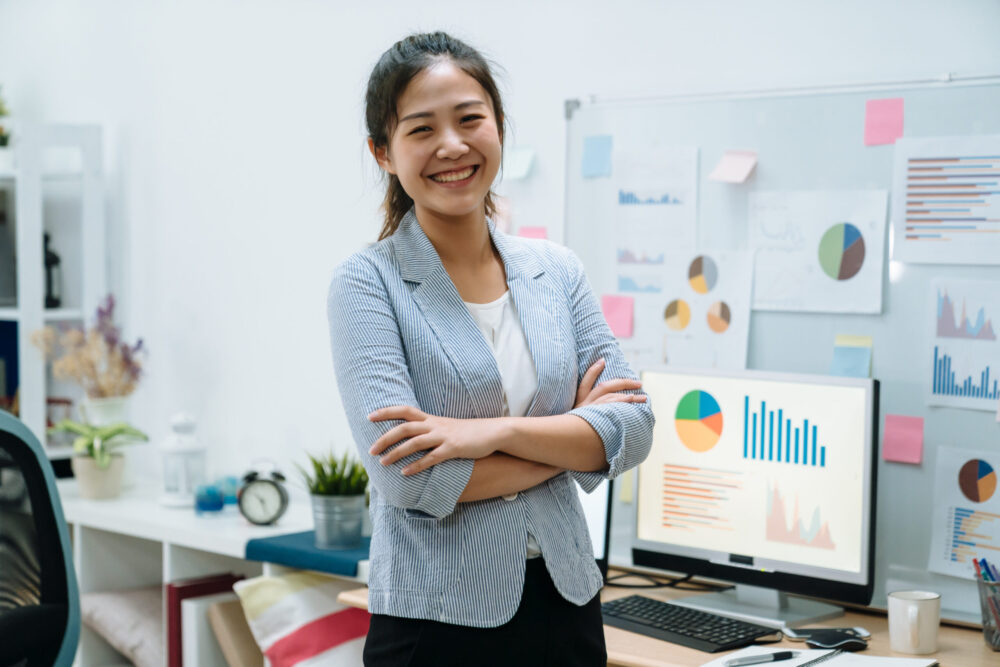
{"type": "Point", "coordinates": [337, 521]}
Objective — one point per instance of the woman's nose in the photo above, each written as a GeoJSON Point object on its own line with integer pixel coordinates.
{"type": "Point", "coordinates": [452, 146]}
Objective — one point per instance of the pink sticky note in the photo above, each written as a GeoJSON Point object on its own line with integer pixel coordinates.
{"type": "Point", "coordinates": [618, 313]}
{"type": "Point", "coordinates": [734, 167]}
{"type": "Point", "coordinates": [903, 439]}
{"type": "Point", "coordinates": [883, 121]}
{"type": "Point", "coordinates": [533, 232]}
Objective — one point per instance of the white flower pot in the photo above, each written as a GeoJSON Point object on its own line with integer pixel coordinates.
{"type": "Point", "coordinates": [98, 483]}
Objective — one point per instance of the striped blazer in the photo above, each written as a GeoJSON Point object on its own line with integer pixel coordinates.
{"type": "Point", "coordinates": [401, 335]}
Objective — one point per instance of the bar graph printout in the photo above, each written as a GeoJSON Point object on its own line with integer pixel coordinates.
{"type": "Point", "coordinates": [966, 520]}
{"type": "Point", "coordinates": [946, 200]}
{"type": "Point", "coordinates": [963, 357]}
{"type": "Point", "coordinates": [717, 479]}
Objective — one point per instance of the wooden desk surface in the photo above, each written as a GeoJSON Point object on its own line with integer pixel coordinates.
{"type": "Point", "coordinates": [957, 647]}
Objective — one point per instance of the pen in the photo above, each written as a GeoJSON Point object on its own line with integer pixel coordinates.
{"type": "Point", "coordinates": [759, 659]}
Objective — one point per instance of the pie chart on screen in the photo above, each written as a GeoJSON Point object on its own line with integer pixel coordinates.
{"type": "Point", "coordinates": [977, 480]}
{"type": "Point", "coordinates": [698, 421]}
{"type": "Point", "coordinates": [677, 314]}
{"type": "Point", "coordinates": [718, 317]}
{"type": "Point", "coordinates": [702, 274]}
{"type": "Point", "coordinates": [842, 251]}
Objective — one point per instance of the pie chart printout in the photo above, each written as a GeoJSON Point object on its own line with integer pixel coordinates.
{"type": "Point", "coordinates": [842, 251]}
{"type": "Point", "coordinates": [698, 421]}
{"type": "Point", "coordinates": [677, 315]}
{"type": "Point", "coordinates": [702, 274]}
{"type": "Point", "coordinates": [718, 317]}
{"type": "Point", "coordinates": [977, 480]}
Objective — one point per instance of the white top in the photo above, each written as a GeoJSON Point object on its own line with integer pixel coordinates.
{"type": "Point", "coordinates": [502, 330]}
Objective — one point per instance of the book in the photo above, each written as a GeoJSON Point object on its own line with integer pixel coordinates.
{"type": "Point", "coordinates": [823, 658]}
{"type": "Point", "coordinates": [200, 648]}
{"type": "Point", "coordinates": [182, 589]}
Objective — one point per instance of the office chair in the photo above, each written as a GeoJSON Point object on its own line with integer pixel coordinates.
{"type": "Point", "coordinates": [39, 599]}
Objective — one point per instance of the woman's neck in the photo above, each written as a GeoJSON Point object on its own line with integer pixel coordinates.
{"type": "Point", "coordinates": [461, 241]}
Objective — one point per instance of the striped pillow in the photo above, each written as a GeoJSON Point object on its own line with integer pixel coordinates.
{"type": "Point", "coordinates": [297, 620]}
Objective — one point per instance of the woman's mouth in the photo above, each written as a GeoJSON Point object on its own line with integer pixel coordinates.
{"type": "Point", "coordinates": [456, 177]}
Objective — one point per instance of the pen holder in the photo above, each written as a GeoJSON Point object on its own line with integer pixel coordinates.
{"type": "Point", "coordinates": [989, 600]}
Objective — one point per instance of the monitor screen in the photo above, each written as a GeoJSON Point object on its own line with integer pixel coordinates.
{"type": "Point", "coordinates": [761, 478]}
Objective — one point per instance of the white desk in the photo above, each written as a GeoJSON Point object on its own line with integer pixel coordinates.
{"type": "Point", "coordinates": [133, 541]}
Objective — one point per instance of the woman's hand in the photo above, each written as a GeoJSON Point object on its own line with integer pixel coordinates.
{"type": "Point", "coordinates": [446, 438]}
{"type": "Point", "coordinates": [605, 392]}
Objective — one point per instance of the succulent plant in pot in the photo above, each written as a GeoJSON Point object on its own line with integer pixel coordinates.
{"type": "Point", "coordinates": [337, 489]}
{"type": "Point", "coordinates": [96, 464]}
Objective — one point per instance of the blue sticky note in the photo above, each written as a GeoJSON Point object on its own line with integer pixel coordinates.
{"type": "Point", "coordinates": [597, 156]}
{"type": "Point", "coordinates": [851, 361]}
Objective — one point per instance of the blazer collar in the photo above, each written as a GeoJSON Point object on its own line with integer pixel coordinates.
{"type": "Point", "coordinates": [418, 260]}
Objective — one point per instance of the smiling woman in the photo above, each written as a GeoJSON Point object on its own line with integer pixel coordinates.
{"type": "Point", "coordinates": [481, 383]}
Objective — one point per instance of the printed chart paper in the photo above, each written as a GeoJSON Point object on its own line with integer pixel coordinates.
{"type": "Point", "coordinates": [818, 251]}
{"type": "Point", "coordinates": [946, 200]}
{"type": "Point", "coordinates": [966, 518]}
{"type": "Point", "coordinates": [701, 316]}
{"type": "Point", "coordinates": [963, 358]}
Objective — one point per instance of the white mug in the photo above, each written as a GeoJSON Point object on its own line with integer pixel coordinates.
{"type": "Point", "coordinates": [914, 617]}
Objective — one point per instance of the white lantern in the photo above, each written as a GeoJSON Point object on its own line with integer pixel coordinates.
{"type": "Point", "coordinates": [183, 463]}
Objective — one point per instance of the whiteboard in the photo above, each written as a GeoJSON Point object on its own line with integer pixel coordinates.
{"type": "Point", "coordinates": [812, 140]}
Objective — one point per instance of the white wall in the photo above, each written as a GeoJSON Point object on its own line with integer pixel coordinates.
{"type": "Point", "coordinates": [237, 176]}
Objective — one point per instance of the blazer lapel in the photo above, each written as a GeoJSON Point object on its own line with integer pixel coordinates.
{"type": "Point", "coordinates": [535, 300]}
{"type": "Point", "coordinates": [448, 317]}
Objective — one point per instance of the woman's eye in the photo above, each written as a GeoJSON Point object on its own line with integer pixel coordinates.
{"type": "Point", "coordinates": [422, 128]}
{"type": "Point", "coordinates": [472, 117]}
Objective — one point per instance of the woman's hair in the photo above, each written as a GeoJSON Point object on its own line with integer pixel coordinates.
{"type": "Point", "coordinates": [393, 72]}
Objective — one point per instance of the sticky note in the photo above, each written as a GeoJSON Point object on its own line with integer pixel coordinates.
{"type": "Point", "coordinates": [734, 167]}
{"type": "Point", "coordinates": [851, 361]}
{"type": "Point", "coordinates": [533, 232]}
{"type": "Point", "coordinates": [618, 313]}
{"type": "Point", "coordinates": [903, 439]}
{"type": "Point", "coordinates": [517, 162]}
{"type": "Point", "coordinates": [849, 340]}
{"type": "Point", "coordinates": [596, 156]}
{"type": "Point", "coordinates": [625, 488]}
{"type": "Point", "coordinates": [883, 121]}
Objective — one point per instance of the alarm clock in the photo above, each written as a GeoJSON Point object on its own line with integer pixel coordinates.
{"type": "Point", "coordinates": [262, 498]}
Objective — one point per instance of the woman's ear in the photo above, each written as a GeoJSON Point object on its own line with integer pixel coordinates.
{"type": "Point", "coordinates": [381, 155]}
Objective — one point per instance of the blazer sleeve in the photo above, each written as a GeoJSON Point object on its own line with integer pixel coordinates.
{"type": "Point", "coordinates": [372, 373]}
{"type": "Point", "coordinates": [626, 429]}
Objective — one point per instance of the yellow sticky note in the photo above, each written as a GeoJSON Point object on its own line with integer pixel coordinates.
{"type": "Point", "coordinates": [847, 340]}
{"type": "Point", "coordinates": [625, 488]}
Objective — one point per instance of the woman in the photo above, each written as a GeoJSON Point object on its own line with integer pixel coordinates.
{"type": "Point", "coordinates": [459, 354]}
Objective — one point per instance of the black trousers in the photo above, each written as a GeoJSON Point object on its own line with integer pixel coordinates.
{"type": "Point", "coordinates": [546, 630]}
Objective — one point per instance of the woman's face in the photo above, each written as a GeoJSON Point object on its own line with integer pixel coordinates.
{"type": "Point", "coordinates": [445, 148]}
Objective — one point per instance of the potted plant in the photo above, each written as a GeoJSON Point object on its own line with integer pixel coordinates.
{"type": "Point", "coordinates": [96, 465]}
{"type": "Point", "coordinates": [107, 368]}
{"type": "Point", "coordinates": [337, 489]}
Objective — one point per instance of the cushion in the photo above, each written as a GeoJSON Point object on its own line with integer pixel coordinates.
{"type": "Point", "coordinates": [296, 619]}
{"type": "Point", "coordinates": [231, 629]}
{"type": "Point", "coordinates": [130, 620]}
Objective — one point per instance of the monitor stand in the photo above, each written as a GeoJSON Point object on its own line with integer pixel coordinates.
{"type": "Point", "coordinates": [763, 606]}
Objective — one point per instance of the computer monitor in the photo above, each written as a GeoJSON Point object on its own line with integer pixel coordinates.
{"type": "Point", "coordinates": [766, 480]}
{"type": "Point", "coordinates": [597, 512]}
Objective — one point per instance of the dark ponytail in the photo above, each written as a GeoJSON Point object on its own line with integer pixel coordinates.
{"type": "Point", "coordinates": [393, 72]}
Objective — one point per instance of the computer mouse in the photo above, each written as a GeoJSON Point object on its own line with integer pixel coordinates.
{"type": "Point", "coordinates": [839, 641]}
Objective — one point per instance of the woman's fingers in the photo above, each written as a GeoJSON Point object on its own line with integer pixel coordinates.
{"type": "Point", "coordinates": [414, 444]}
{"type": "Point", "coordinates": [588, 380]}
{"type": "Point", "coordinates": [613, 386]}
{"type": "Point", "coordinates": [432, 458]}
{"type": "Point", "coordinates": [620, 398]}
{"type": "Point", "coordinates": [397, 433]}
{"type": "Point", "coordinates": [407, 412]}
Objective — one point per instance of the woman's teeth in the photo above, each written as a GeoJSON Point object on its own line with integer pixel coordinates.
{"type": "Point", "coordinates": [453, 175]}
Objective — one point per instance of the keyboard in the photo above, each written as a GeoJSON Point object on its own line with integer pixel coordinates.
{"type": "Point", "coordinates": [695, 629]}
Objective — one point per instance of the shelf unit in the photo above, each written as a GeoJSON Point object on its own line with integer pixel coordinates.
{"type": "Point", "coordinates": [29, 182]}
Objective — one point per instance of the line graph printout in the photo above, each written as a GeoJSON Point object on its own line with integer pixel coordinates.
{"type": "Point", "coordinates": [696, 489]}
{"type": "Point", "coordinates": [966, 518]}
{"type": "Point", "coordinates": [818, 251]}
{"type": "Point", "coordinates": [946, 200]}
{"type": "Point", "coordinates": [962, 359]}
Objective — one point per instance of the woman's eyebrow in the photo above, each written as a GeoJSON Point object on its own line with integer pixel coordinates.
{"type": "Point", "coordinates": [430, 114]}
